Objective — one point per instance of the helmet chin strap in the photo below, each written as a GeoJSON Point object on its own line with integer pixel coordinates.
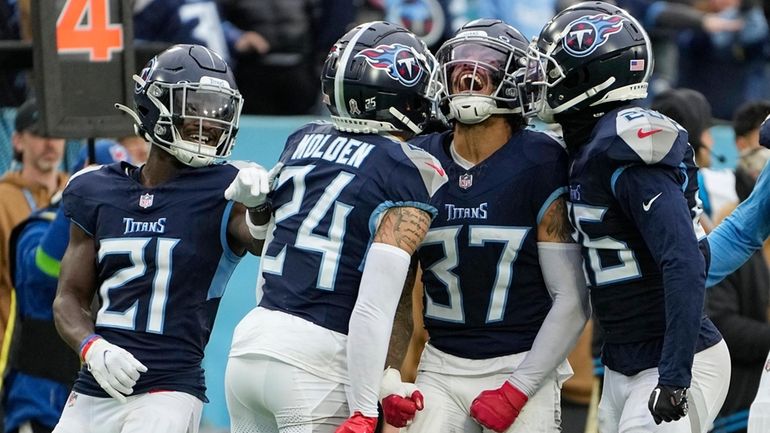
{"type": "Point", "coordinates": [405, 120]}
{"type": "Point", "coordinates": [473, 109]}
{"type": "Point", "coordinates": [188, 158]}
{"type": "Point", "coordinates": [547, 113]}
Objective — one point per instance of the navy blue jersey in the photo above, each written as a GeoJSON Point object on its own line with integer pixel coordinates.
{"type": "Point", "coordinates": [162, 266]}
{"type": "Point", "coordinates": [330, 195]}
{"type": "Point", "coordinates": [484, 291]}
{"type": "Point", "coordinates": [633, 200]}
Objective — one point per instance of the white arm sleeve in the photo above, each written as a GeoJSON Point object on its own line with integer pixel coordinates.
{"type": "Point", "coordinates": [562, 267]}
{"type": "Point", "coordinates": [370, 324]}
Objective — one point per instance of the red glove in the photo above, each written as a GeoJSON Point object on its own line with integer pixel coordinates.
{"type": "Point", "coordinates": [358, 424]}
{"type": "Point", "coordinates": [398, 411]}
{"type": "Point", "coordinates": [400, 400]}
{"type": "Point", "coordinates": [497, 409]}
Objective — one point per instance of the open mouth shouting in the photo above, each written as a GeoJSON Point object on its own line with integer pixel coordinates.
{"type": "Point", "coordinates": [471, 79]}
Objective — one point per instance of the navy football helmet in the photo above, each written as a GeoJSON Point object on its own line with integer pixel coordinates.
{"type": "Point", "coordinates": [376, 79]}
{"type": "Point", "coordinates": [482, 72]}
{"type": "Point", "coordinates": [590, 54]}
{"type": "Point", "coordinates": [188, 104]}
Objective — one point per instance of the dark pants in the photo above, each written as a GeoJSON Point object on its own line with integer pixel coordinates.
{"type": "Point", "coordinates": [573, 417]}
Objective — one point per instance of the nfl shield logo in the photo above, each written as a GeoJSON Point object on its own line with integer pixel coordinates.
{"type": "Point", "coordinates": [466, 181]}
{"type": "Point", "coordinates": [145, 200]}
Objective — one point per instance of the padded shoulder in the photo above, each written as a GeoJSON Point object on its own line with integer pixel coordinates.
{"type": "Point", "coordinates": [83, 171]}
{"type": "Point", "coordinates": [431, 172]}
{"type": "Point", "coordinates": [649, 137]}
{"type": "Point", "coordinates": [542, 147]}
{"type": "Point", "coordinates": [555, 137]}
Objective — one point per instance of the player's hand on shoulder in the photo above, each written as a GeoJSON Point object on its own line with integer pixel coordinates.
{"type": "Point", "coordinates": [497, 409]}
{"type": "Point", "coordinates": [252, 184]}
{"type": "Point", "coordinates": [358, 423]}
{"type": "Point", "coordinates": [114, 368]}
{"type": "Point", "coordinates": [400, 400]}
{"type": "Point", "coordinates": [667, 403]}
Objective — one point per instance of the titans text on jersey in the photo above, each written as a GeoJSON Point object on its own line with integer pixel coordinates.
{"type": "Point", "coordinates": [484, 292]}
{"type": "Point", "coordinates": [154, 285]}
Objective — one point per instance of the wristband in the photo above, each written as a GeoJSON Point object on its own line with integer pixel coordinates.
{"type": "Point", "coordinates": [86, 344]}
{"type": "Point", "coordinates": [257, 232]}
{"type": "Point", "coordinates": [260, 207]}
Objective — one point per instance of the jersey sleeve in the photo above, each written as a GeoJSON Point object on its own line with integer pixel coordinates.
{"type": "Point", "coordinates": [652, 197]}
{"type": "Point", "coordinates": [77, 201]}
{"type": "Point", "coordinates": [647, 137]}
{"type": "Point", "coordinates": [742, 233]}
{"type": "Point", "coordinates": [414, 180]}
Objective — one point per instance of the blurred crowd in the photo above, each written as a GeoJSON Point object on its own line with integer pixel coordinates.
{"type": "Point", "coordinates": [718, 47]}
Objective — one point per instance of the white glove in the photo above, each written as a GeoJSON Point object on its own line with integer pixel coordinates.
{"type": "Point", "coordinates": [114, 368]}
{"type": "Point", "coordinates": [400, 400]}
{"type": "Point", "coordinates": [251, 185]}
{"type": "Point", "coordinates": [391, 384]}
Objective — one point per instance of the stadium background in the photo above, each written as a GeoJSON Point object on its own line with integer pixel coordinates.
{"type": "Point", "coordinates": [261, 139]}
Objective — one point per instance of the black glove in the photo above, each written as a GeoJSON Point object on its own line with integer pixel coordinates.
{"type": "Point", "coordinates": [667, 403]}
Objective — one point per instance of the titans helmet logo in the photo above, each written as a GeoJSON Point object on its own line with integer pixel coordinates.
{"type": "Point", "coordinates": [145, 74]}
{"type": "Point", "coordinates": [586, 34]}
{"type": "Point", "coordinates": [399, 61]}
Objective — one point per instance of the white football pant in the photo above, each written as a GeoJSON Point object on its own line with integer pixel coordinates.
{"type": "Point", "coordinates": [623, 405]}
{"type": "Point", "coordinates": [448, 397]}
{"type": "Point", "coordinates": [265, 395]}
{"type": "Point", "coordinates": [153, 412]}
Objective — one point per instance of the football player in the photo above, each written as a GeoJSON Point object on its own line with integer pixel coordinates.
{"type": "Point", "coordinates": [157, 244]}
{"type": "Point", "coordinates": [633, 200]}
{"type": "Point", "coordinates": [504, 292]}
{"type": "Point", "coordinates": [351, 205]}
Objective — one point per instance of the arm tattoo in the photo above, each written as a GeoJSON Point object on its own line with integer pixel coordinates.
{"type": "Point", "coordinates": [403, 227]}
{"type": "Point", "coordinates": [558, 226]}
{"type": "Point", "coordinates": [402, 324]}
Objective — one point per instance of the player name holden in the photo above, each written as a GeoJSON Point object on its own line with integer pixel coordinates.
{"type": "Point", "coordinates": [341, 150]}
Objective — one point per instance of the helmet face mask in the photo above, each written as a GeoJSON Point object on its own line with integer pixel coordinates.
{"type": "Point", "coordinates": [376, 79]}
{"type": "Point", "coordinates": [187, 103]}
{"type": "Point", "coordinates": [481, 72]}
{"type": "Point", "coordinates": [589, 54]}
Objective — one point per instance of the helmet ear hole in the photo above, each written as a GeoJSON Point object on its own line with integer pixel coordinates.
{"type": "Point", "coordinates": [576, 78]}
